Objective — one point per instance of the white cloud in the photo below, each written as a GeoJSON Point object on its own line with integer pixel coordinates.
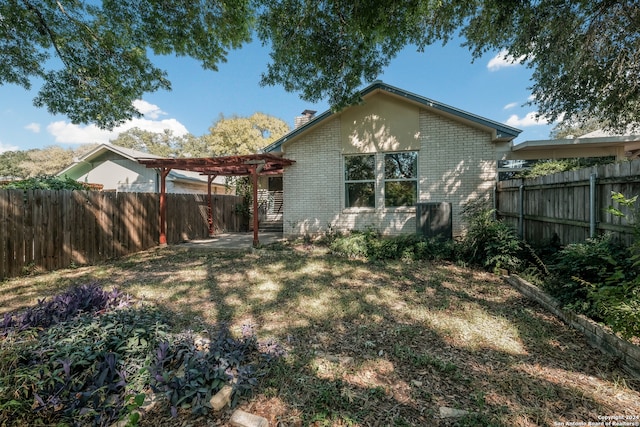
{"type": "Point", "coordinates": [147, 109]}
{"type": "Point", "coordinates": [4, 148]}
{"type": "Point", "coordinates": [510, 106]}
{"type": "Point", "coordinates": [530, 119]}
{"type": "Point", "coordinates": [503, 60]}
{"type": "Point", "coordinates": [33, 127]}
{"type": "Point", "coordinates": [68, 133]}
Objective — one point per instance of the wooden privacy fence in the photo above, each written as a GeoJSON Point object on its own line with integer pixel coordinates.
{"type": "Point", "coordinates": [572, 205]}
{"type": "Point", "coordinates": [47, 229]}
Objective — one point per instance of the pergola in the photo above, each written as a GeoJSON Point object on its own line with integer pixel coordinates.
{"type": "Point", "coordinates": [247, 165]}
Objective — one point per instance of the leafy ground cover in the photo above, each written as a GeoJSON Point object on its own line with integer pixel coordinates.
{"type": "Point", "coordinates": [367, 343]}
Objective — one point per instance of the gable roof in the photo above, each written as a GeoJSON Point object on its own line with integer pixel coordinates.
{"type": "Point", "coordinates": [499, 131]}
{"type": "Point", "coordinates": [134, 156]}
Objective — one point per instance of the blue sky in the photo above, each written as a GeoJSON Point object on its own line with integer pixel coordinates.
{"type": "Point", "coordinates": [490, 87]}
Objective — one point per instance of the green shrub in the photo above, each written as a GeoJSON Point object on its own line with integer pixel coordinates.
{"type": "Point", "coordinates": [353, 245]}
{"type": "Point", "coordinates": [488, 242]}
{"type": "Point", "coordinates": [600, 277]}
{"type": "Point", "coordinates": [45, 183]}
{"type": "Point", "coordinates": [372, 246]}
{"type": "Point", "coordinates": [581, 268]}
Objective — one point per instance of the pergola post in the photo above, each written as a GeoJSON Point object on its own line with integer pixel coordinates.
{"type": "Point", "coordinates": [163, 205]}
{"type": "Point", "coordinates": [210, 206]}
{"type": "Point", "coordinates": [254, 185]}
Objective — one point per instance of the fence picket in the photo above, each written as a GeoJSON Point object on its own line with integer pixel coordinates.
{"type": "Point", "coordinates": [54, 229]}
{"type": "Point", "coordinates": [559, 204]}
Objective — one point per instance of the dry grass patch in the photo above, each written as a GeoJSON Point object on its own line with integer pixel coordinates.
{"type": "Point", "coordinates": [371, 343]}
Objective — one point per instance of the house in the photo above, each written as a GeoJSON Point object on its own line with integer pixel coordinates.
{"type": "Point", "coordinates": [117, 169]}
{"type": "Point", "coordinates": [598, 143]}
{"type": "Point", "coordinates": [369, 165]}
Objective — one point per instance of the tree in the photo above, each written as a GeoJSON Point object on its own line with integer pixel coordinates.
{"type": "Point", "coordinates": [192, 146]}
{"type": "Point", "coordinates": [160, 144]}
{"type": "Point", "coordinates": [102, 49]}
{"type": "Point", "coordinates": [11, 165]}
{"type": "Point", "coordinates": [243, 135]}
{"type": "Point", "coordinates": [583, 53]}
{"type": "Point", "coordinates": [47, 161]}
{"type": "Point", "coordinates": [566, 129]}
{"type": "Point", "coordinates": [39, 162]}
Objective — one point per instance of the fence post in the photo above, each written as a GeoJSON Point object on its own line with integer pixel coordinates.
{"type": "Point", "coordinates": [593, 178]}
{"type": "Point", "coordinates": [521, 211]}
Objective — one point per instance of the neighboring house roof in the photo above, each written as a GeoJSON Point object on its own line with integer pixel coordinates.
{"type": "Point", "coordinates": [499, 131]}
{"type": "Point", "coordinates": [594, 144]}
{"type": "Point", "coordinates": [134, 156]}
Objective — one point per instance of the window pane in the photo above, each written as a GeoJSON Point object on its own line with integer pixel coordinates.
{"type": "Point", "coordinates": [400, 193]}
{"type": "Point", "coordinates": [359, 168]}
{"type": "Point", "coordinates": [401, 165]}
{"type": "Point", "coordinates": [360, 194]}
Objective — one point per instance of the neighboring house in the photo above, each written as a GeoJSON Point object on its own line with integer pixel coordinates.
{"type": "Point", "coordinates": [594, 144]}
{"type": "Point", "coordinates": [117, 169]}
{"type": "Point", "coordinates": [368, 165]}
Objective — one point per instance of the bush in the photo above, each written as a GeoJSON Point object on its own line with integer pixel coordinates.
{"type": "Point", "coordinates": [489, 243]}
{"type": "Point", "coordinates": [45, 183]}
{"type": "Point", "coordinates": [580, 268]}
{"type": "Point", "coordinates": [353, 245]}
{"type": "Point", "coordinates": [82, 299]}
{"type": "Point", "coordinates": [191, 370]}
{"type": "Point", "coordinates": [86, 357]}
{"type": "Point", "coordinates": [600, 277]}
{"type": "Point", "coordinates": [372, 246]}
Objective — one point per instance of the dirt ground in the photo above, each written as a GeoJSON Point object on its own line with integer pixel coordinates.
{"type": "Point", "coordinates": [371, 344]}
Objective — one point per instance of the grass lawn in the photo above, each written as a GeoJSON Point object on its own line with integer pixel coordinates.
{"type": "Point", "coordinates": [370, 344]}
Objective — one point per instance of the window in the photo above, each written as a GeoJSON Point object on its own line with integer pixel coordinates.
{"type": "Point", "coordinates": [400, 179]}
{"type": "Point", "coordinates": [360, 181]}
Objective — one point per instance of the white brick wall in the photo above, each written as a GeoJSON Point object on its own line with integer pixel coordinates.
{"type": "Point", "coordinates": [312, 189]}
{"type": "Point", "coordinates": [456, 163]}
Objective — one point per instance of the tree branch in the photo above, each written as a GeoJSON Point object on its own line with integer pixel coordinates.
{"type": "Point", "coordinates": [47, 29]}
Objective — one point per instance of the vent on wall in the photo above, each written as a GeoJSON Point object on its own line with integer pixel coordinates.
{"type": "Point", "coordinates": [434, 219]}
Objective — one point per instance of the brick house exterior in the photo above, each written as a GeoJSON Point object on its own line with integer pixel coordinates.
{"type": "Point", "coordinates": [345, 163]}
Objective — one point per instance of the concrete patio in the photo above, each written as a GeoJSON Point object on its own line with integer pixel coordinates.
{"type": "Point", "coordinates": [234, 241]}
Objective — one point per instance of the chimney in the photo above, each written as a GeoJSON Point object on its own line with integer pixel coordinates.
{"type": "Point", "coordinates": [306, 116]}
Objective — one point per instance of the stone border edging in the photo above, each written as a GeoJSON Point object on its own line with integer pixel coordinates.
{"type": "Point", "coordinates": [596, 335]}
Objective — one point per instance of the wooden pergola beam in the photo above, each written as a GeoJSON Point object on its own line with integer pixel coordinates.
{"type": "Point", "coordinates": [252, 165]}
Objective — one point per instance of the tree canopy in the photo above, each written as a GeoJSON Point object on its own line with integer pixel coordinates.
{"type": "Point", "coordinates": [39, 162]}
{"type": "Point", "coordinates": [243, 135]}
{"type": "Point", "coordinates": [161, 144]}
{"type": "Point", "coordinates": [227, 136]}
{"type": "Point", "coordinates": [584, 53]}
{"type": "Point", "coordinates": [101, 49]}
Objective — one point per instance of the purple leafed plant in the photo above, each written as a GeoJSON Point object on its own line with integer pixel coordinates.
{"type": "Point", "coordinates": [89, 298]}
